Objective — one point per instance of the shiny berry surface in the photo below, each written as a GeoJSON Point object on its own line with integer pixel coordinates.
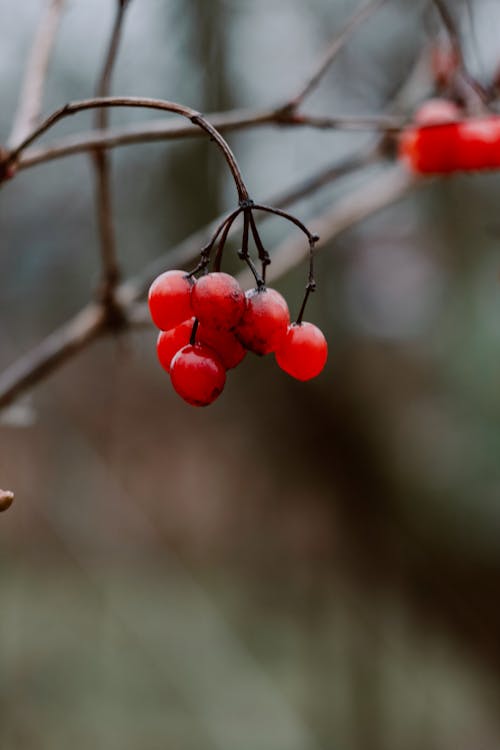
{"type": "Point", "coordinates": [224, 343]}
{"type": "Point", "coordinates": [218, 300]}
{"type": "Point", "coordinates": [170, 299]}
{"type": "Point", "coordinates": [169, 342]}
{"type": "Point", "coordinates": [304, 351]}
{"type": "Point", "coordinates": [265, 321]}
{"type": "Point", "coordinates": [197, 375]}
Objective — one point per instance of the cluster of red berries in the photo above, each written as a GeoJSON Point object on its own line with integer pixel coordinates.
{"type": "Point", "coordinates": [208, 325]}
{"type": "Point", "coordinates": [441, 141]}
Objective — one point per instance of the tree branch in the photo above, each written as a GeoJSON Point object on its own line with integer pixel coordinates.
{"type": "Point", "coordinates": [160, 130]}
{"type": "Point", "coordinates": [196, 118]}
{"type": "Point", "coordinates": [30, 100]}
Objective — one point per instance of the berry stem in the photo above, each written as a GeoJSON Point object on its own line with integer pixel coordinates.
{"type": "Point", "coordinates": [206, 250]}
{"type": "Point", "coordinates": [223, 239]}
{"type": "Point", "coordinates": [243, 254]}
{"type": "Point", "coordinates": [192, 338]}
{"type": "Point", "coordinates": [263, 254]}
{"type": "Point", "coordinates": [288, 217]}
{"type": "Point", "coordinates": [311, 283]}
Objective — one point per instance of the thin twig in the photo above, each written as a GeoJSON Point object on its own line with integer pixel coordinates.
{"type": "Point", "coordinates": [90, 323]}
{"type": "Point", "coordinates": [30, 100]}
{"type": "Point", "coordinates": [363, 123]}
{"type": "Point", "coordinates": [360, 15]}
{"type": "Point", "coordinates": [110, 269]}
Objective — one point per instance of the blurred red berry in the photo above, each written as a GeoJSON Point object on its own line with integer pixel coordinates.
{"type": "Point", "coordinates": [431, 147]}
{"type": "Point", "coordinates": [170, 299]}
{"type": "Point", "coordinates": [218, 300]}
{"type": "Point", "coordinates": [197, 375]}
{"type": "Point", "coordinates": [303, 352]}
{"type": "Point", "coordinates": [464, 145]}
{"type": "Point", "coordinates": [265, 321]}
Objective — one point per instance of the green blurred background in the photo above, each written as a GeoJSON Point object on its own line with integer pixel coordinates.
{"type": "Point", "coordinates": [298, 567]}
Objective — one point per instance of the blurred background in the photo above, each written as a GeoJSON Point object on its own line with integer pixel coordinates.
{"type": "Point", "coordinates": [300, 566]}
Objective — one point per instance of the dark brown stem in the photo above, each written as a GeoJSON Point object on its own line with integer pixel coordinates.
{"type": "Point", "coordinates": [287, 216]}
{"type": "Point", "coordinates": [192, 338]}
{"type": "Point", "coordinates": [223, 239]}
{"type": "Point", "coordinates": [311, 283]}
{"type": "Point", "coordinates": [206, 250]}
{"type": "Point", "coordinates": [264, 258]}
{"type": "Point", "coordinates": [244, 254]}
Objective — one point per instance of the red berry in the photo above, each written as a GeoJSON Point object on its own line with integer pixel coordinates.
{"type": "Point", "coordinates": [169, 342]}
{"type": "Point", "coordinates": [303, 352]}
{"type": "Point", "coordinates": [170, 299]}
{"type": "Point", "coordinates": [218, 300]}
{"type": "Point", "coordinates": [197, 375]}
{"type": "Point", "coordinates": [224, 343]}
{"type": "Point", "coordinates": [264, 322]}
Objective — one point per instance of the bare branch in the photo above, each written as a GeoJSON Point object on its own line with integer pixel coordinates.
{"type": "Point", "coordinates": [30, 100]}
{"type": "Point", "coordinates": [160, 130]}
{"type": "Point", "coordinates": [91, 321]}
{"type": "Point", "coordinates": [110, 268]}
{"type": "Point", "coordinates": [6, 500]}
{"type": "Point", "coordinates": [361, 14]}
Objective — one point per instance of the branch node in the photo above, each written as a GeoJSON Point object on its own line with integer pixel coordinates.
{"type": "Point", "coordinates": [246, 203]}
